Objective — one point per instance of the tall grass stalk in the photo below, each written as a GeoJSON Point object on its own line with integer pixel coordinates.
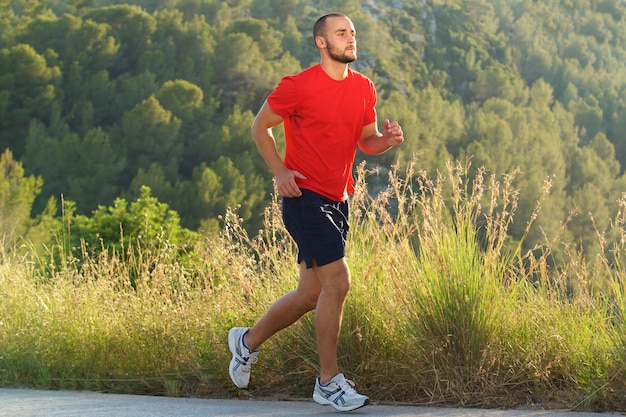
{"type": "Point", "coordinates": [444, 308]}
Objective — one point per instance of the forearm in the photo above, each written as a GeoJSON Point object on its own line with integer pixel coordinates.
{"type": "Point", "coordinates": [266, 144]}
{"type": "Point", "coordinates": [286, 179]}
{"type": "Point", "coordinates": [374, 144]}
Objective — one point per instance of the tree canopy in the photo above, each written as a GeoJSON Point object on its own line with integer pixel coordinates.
{"type": "Point", "coordinates": [100, 98]}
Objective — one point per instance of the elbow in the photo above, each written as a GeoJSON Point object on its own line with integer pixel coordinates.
{"type": "Point", "coordinates": [255, 130]}
{"type": "Point", "coordinates": [365, 149]}
{"type": "Point", "coordinates": [253, 127]}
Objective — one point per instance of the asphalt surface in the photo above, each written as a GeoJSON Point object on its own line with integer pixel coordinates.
{"type": "Point", "coordinates": [35, 403]}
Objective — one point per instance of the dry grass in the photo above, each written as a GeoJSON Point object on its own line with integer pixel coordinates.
{"type": "Point", "coordinates": [444, 309]}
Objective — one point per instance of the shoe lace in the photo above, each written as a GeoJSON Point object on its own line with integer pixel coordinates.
{"type": "Point", "coordinates": [347, 386]}
{"type": "Point", "coordinates": [250, 360]}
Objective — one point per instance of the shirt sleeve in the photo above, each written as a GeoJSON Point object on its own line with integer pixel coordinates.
{"type": "Point", "coordinates": [284, 99]}
{"type": "Point", "coordinates": [370, 111]}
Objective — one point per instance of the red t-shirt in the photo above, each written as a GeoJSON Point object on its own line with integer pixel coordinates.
{"type": "Point", "coordinates": [323, 119]}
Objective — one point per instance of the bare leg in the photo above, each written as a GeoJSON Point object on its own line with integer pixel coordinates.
{"type": "Point", "coordinates": [287, 309]}
{"type": "Point", "coordinates": [335, 281]}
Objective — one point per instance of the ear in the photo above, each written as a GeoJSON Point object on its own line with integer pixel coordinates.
{"type": "Point", "coordinates": [320, 42]}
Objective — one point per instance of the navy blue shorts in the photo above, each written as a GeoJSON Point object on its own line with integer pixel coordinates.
{"type": "Point", "coordinates": [318, 225]}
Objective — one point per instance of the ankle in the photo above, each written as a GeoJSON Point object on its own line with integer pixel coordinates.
{"type": "Point", "coordinates": [326, 378]}
{"type": "Point", "coordinates": [245, 343]}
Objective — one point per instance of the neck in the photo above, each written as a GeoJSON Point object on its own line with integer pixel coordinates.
{"type": "Point", "coordinates": [335, 70]}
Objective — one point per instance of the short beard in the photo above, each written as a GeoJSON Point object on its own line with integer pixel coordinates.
{"type": "Point", "coordinates": [343, 58]}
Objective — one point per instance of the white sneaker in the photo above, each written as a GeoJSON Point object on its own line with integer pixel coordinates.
{"type": "Point", "coordinates": [242, 360]}
{"type": "Point", "coordinates": [339, 393]}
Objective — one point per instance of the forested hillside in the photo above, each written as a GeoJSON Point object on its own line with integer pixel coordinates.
{"type": "Point", "coordinates": [100, 97]}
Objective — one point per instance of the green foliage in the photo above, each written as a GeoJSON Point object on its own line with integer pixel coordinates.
{"type": "Point", "coordinates": [83, 169]}
{"type": "Point", "coordinates": [17, 194]}
{"type": "Point", "coordinates": [99, 98]}
{"type": "Point", "coordinates": [457, 307]}
{"type": "Point", "coordinates": [124, 230]}
{"type": "Point", "coordinates": [181, 98]}
{"type": "Point", "coordinates": [27, 90]}
{"type": "Point", "coordinates": [151, 102]}
{"type": "Point", "coordinates": [487, 324]}
{"type": "Point", "coordinates": [133, 29]}
{"type": "Point", "coordinates": [150, 134]}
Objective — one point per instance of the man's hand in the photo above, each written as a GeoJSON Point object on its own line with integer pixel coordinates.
{"type": "Point", "coordinates": [392, 133]}
{"type": "Point", "coordinates": [374, 142]}
{"type": "Point", "coordinates": [286, 183]}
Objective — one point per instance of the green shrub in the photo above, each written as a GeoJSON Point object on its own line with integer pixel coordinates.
{"type": "Point", "coordinates": [444, 308]}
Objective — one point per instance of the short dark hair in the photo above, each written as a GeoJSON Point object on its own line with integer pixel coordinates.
{"type": "Point", "coordinates": [319, 28]}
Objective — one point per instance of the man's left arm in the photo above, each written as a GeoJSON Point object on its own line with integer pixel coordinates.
{"type": "Point", "coordinates": [373, 142]}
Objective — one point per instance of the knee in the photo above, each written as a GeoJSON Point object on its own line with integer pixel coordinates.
{"type": "Point", "coordinates": [344, 288]}
{"type": "Point", "coordinates": [335, 280]}
{"type": "Point", "coordinates": [308, 300]}
{"type": "Point", "coordinates": [311, 303]}
{"type": "Point", "coordinates": [339, 287]}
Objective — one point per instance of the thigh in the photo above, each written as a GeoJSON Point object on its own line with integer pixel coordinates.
{"type": "Point", "coordinates": [309, 282]}
{"type": "Point", "coordinates": [334, 275]}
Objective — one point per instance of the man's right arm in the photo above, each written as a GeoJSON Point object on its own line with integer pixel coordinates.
{"type": "Point", "coordinates": [262, 134]}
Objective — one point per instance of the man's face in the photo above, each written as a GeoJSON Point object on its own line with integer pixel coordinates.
{"type": "Point", "coordinates": [340, 39]}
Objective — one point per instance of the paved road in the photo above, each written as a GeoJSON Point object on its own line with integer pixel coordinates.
{"type": "Point", "coordinates": [34, 403]}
